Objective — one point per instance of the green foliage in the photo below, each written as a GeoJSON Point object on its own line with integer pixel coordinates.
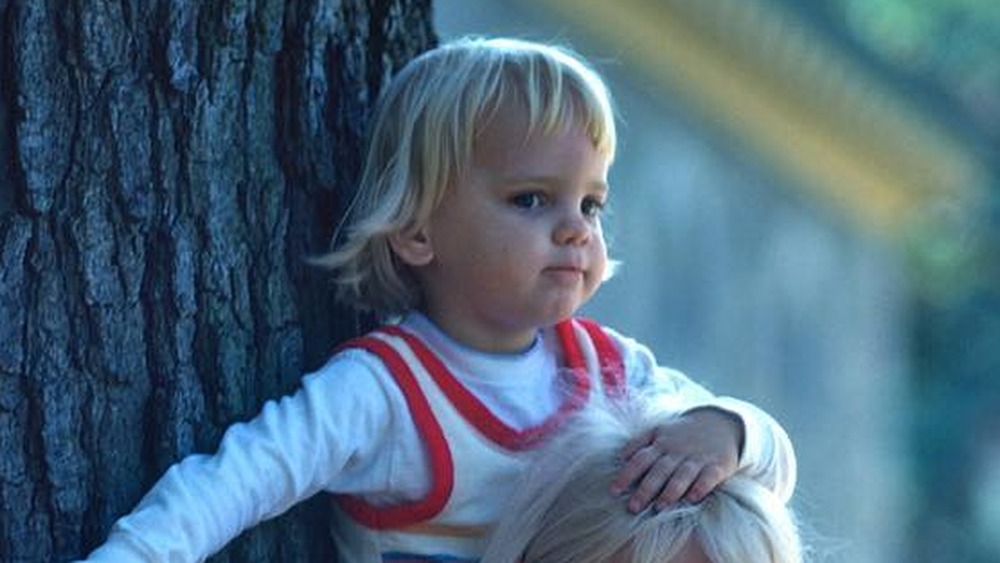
{"type": "Point", "coordinates": [956, 384]}
{"type": "Point", "coordinates": [950, 49]}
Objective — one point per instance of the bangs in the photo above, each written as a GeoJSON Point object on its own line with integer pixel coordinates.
{"type": "Point", "coordinates": [556, 89]}
{"type": "Point", "coordinates": [553, 85]}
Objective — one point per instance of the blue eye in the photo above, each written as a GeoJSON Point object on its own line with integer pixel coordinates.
{"type": "Point", "coordinates": [530, 200]}
{"type": "Point", "coordinates": [592, 207]}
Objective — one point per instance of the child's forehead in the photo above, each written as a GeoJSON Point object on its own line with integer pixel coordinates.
{"type": "Point", "coordinates": [509, 150]}
{"type": "Point", "coordinates": [506, 117]}
{"type": "Point", "coordinates": [511, 121]}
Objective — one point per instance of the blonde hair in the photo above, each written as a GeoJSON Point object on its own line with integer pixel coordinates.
{"type": "Point", "coordinates": [564, 511]}
{"type": "Point", "coordinates": [422, 136]}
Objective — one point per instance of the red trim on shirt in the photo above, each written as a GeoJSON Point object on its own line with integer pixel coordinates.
{"type": "Point", "coordinates": [609, 358]}
{"type": "Point", "coordinates": [474, 412]}
{"type": "Point", "coordinates": [479, 416]}
{"type": "Point", "coordinates": [442, 466]}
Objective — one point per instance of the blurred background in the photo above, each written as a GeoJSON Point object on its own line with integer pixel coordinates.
{"type": "Point", "coordinates": [806, 203]}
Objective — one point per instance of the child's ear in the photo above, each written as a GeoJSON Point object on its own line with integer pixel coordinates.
{"type": "Point", "coordinates": [412, 246]}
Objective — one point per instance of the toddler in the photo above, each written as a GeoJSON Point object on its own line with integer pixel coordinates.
{"type": "Point", "coordinates": [476, 236]}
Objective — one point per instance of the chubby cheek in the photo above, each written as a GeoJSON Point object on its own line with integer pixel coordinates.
{"type": "Point", "coordinates": [599, 264]}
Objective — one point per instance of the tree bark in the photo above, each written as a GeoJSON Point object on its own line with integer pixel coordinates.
{"type": "Point", "coordinates": [164, 168]}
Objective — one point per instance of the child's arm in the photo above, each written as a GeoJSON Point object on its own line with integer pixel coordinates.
{"type": "Point", "coordinates": [317, 439]}
{"type": "Point", "coordinates": [715, 437]}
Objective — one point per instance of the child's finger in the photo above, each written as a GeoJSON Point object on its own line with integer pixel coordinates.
{"type": "Point", "coordinates": [710, 477]}
{"type": "Point", "coordinates": [636, 465]}
{"type": "Point", "coordinates": [681, 480]}
{"type": "Point", "coordinates": [635, 444]}
{"type": "Point", "coordinates": [652, 482]}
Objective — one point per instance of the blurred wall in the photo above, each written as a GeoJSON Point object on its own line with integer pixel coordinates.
{"type": "Point", "coordinates": [733, 275]}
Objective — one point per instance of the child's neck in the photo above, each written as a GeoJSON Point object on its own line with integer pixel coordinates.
{"type": "Point", "coordinates": [482, 340]}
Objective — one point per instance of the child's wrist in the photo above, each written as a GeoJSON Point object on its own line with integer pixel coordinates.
{"type": "Point", "coordinates": [731, 419]}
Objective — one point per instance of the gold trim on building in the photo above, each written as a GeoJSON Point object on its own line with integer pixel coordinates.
{"type": "Point", "coordinates": [751, 70]}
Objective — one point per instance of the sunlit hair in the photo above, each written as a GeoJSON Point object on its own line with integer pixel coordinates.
{"type": "Point", "coordinates": [564, 511]}
{"type": "Point", "coordinates": [422, 138]}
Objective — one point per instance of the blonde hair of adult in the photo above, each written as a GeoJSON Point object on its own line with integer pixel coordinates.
{"type": "Point", "coordinates": [564, 511]}
{"type": "Point", "coordinates": [422, 138]}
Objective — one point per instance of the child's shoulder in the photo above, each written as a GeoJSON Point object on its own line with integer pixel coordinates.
{"type": "Point", "coordinates": [350, 367]}
{"type": "Point", "coordinates": [626, 344]}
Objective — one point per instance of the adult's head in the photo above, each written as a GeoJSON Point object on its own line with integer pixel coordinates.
{"type": "Point", "coordinates": [564, 511]}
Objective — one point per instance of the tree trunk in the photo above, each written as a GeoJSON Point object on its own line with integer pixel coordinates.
{"type": "Point", "coordinates": [164, 168]}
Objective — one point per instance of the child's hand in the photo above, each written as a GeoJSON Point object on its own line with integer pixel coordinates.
{"type": "Point", "coordinates": [685, 458]}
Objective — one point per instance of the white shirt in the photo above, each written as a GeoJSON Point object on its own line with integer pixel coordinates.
{"type": "Point", "coordinates": [346, 431]}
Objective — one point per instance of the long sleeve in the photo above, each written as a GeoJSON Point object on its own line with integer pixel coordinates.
{"type": "Point", "coordinates": [767, 457]}
{"type": "Point", "coordinates": [324, 437]}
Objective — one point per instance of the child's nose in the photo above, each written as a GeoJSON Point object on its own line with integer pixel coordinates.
{"type": "Point", "coordinates": [573, 228]}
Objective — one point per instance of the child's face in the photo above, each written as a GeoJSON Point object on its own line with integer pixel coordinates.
{"type": "Point", "coordinates": [517, 241]}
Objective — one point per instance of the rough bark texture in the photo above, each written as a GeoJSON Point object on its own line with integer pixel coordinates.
{"type": "Point", "coordinates": [164, 167]}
